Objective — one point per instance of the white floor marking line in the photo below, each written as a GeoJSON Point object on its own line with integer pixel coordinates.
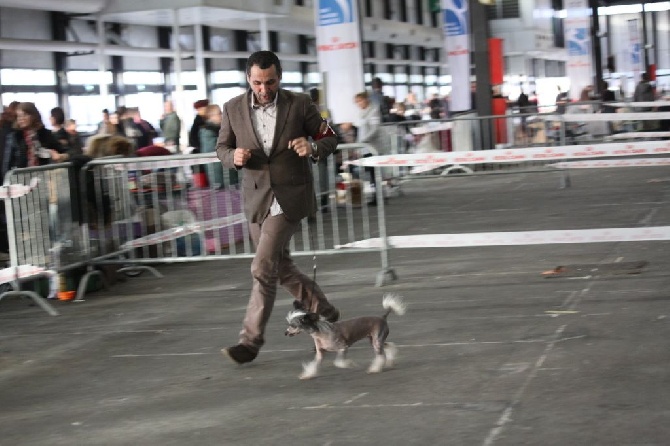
{"type": "Point", "coordinates": [570, 303]}
{"type": "Point", "coordinates": [381, 406]}
{"type": "Point", "coordinates": [506, 416]}
{"type": "Point", "coordinates": [155, 355]}
{"type": "Point", "coordinates": [295, 350]}
{"type": "Point", "coordinates": [359, 396]}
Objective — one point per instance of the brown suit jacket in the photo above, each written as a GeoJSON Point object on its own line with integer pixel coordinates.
{"type": "Point", "coordinates": [282, 173]}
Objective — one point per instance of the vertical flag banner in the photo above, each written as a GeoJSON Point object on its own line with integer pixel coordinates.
{"type": "Point", "coordinates": [578, 41]}
{"type": "Point", "coordinates": [456, 27]}
{"type": "Point", "coordinates": [338, 46]}
{"type": "Point", "coordinates": [635, 49]}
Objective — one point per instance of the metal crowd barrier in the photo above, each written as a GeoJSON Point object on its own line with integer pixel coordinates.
{"type": "Point", "coordinates": [141, 212]}
{"type": "Point", "coordinates": [44, 240]}
{"type": "Point", "coordinates": [582, 123]}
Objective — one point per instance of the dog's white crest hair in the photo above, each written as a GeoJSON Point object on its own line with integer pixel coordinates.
{"type": "Point", "coordinates": [395, 303]}
{"type": "Point", "coordinates": [295, 314]}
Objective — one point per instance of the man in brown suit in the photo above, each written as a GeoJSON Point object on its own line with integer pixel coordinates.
{"type": "Point", "coordinates": [266, 132]}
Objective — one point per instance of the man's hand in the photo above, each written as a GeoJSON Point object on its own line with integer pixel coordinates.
{"type": "Point", "coordinates": [241, 156]}
{"type": "Point", "coordinates": [300, 146]}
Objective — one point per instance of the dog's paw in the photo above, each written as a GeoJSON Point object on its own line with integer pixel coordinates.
{"type": "Point", "coordinates": [391, 354]}
{"type": "Point", "coordinates": [377, 364]}
{"type": "Point", "coordinates": [309, 370]}
{"type": "Point", "coordinates": [343, 363]}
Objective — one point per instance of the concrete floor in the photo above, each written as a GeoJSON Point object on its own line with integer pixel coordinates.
{"type": "Point", "coordinates": [492, 352]}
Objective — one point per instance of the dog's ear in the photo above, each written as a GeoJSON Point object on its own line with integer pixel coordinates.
{"type": "Point", "coordinates": [312, 317]}
{"type": "Point", "coordinates": [297, 305]}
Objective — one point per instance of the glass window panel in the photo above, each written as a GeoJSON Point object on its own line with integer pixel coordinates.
{"type": "Point", "coordinates": [314, 78]}
{"type": "Point", "coordinates": [11, 76]}
{"type": "Point", "coordinates": [386, 78]}
{"type": "Point", "coordinates": [149, 104]}
{"type": "Point", "coordinates": [187, 78]}
{"type": "Point", "coordinates": [401, 78]}
{"type": "Point", "coordinates": [87, 111]}
{"type": "Point", "coordinates": [228, 77]}
{"type": "Point", "coordinates": [291, 77]}
{"type": "Point", "coordinates": [416, 79]}
{"type": "Point", "coordinates": [88, 77]}
{"type": "Point", "coordinates": [222, 95]}
{"type": "Point", "coordinates": [143, 78]}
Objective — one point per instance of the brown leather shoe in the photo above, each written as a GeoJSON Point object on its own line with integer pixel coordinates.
{"type": "Point", "coordinates": [240, 353]}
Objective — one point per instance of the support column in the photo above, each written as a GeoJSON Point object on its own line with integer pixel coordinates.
{"type": "Point", "coordinates": [596, 47]}
{"type": "Point", "coordinates": [645, 47]}
{"type": "Point", "coordinates": [265, 34]}
{"type": "Point", "coordinates": [201, 86]}
{"type": "Point", "coordinates": [483, 95]}
{"type": "Point", "coordinates": [102, 61]}
{"type": "Point", "coordinates": [58, 33]}
{"type": "Point", "coordinates": [179, 99]}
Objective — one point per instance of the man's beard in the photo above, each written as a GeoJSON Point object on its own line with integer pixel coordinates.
{"type": "Point", "coordinates": [268, 98]}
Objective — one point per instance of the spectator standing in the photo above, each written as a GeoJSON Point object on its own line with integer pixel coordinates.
{"type": "Point", "coordinates": [7, 122]}
{"type": "Point", "coordinates": [561, 101]}
{"type": "Point", "coordinates": [378, 99]}
{"type": "Point", "coordinates": [644, 92]}
{"type": "Point", "coordinates": [57, 121]}
{"type": "Point", "coordinates": [265, 131]}
{"type": "Point", "coordinates": [105, 126]}
{"type": "Point", "coordinates": [523, 104]}
{"type": "Point", "coordinates": [369, 131]}
{"type": "Point", "coordinates": [170, 125]}
{"type": "Point", "coordinates": [412, 108]}
{"type": "Point", "coordinates": [209, 133]}
{"type": "Point", "coordinates": [147, 132]}
{"type": "Point", "coordinates": [437, 107]}
{"type": "Point", "coordinates": [32, 144]}
{"type": "Point", "coordinates": [199, 121]}
{"type": "Point", "coordinates": [75, 142]}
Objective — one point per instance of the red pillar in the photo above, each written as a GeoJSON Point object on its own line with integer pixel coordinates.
{"type": "Point", "coordinates": [499, 104]}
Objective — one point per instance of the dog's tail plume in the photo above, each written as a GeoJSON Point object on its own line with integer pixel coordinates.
{"type": "Point", "coordinates": [393, 303]}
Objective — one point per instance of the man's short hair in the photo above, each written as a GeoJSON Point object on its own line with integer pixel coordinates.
{"type": "Point", "coordinates": [264, 60]}
{"type": "Point", "coordinates": [59, 115]}
{"type": "Point", "coordinates": [377, 83]}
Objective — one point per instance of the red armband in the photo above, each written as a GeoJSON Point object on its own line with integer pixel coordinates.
{"type": "Point", "coordinates": [324, 131]}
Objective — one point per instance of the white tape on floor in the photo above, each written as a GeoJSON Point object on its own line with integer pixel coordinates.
{"type": "Point", "coordinates": [517, 238]}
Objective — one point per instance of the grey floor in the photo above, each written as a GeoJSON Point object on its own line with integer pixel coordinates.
{"type": "Point", "coordinates": [492, 352]}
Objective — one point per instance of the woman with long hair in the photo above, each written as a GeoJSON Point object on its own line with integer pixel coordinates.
{"type": "Point", "coordinates": [32, 144]}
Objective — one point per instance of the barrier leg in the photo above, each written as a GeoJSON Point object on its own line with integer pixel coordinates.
{"type": "Point", "coordinates": [387, 273]}
{"type": "Point", "coordinates": [565, 180]}
{"type": "Point", "coordinates": [35, 297]}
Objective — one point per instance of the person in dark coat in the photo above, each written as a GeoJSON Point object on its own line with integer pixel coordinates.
{"type": "Point", "coordinates": [199, 121]}
{"type": "Point", "coordinates": [31, 143]}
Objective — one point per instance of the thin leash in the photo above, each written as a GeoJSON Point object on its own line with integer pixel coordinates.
{"type": "Point", "coordinates": [308, 167]}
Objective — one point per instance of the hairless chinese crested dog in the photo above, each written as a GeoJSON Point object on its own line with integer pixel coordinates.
{"type": "Point", "coordinates": [339, 336]}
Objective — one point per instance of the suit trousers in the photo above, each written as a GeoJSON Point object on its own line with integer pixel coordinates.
{"type": "Point", "coordinates": [273, 265]}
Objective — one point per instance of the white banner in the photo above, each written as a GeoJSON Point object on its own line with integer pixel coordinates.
{"type": "Point", "coordinates": [599, 164]}
{"type": "Point", "coordinates": [549, 153]}
{"type": "Point", "coordinates": [635, 49]}
{"type": "Point", "coordinates": [578, 41]}
{"type": "Point", "coordinates": [338, 46]}
{"type": "Point", "coordinates": [456, 27]}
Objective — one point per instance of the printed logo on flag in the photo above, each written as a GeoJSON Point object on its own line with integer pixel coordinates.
{"type": "Point", "coordinates": [635, 54]}
{"type": "Point", "coordinates": [335, 12]}
{"type": "Point", "coordinates": [578, 42]}
{"type": "Point", "coordinates": [456, 17]}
